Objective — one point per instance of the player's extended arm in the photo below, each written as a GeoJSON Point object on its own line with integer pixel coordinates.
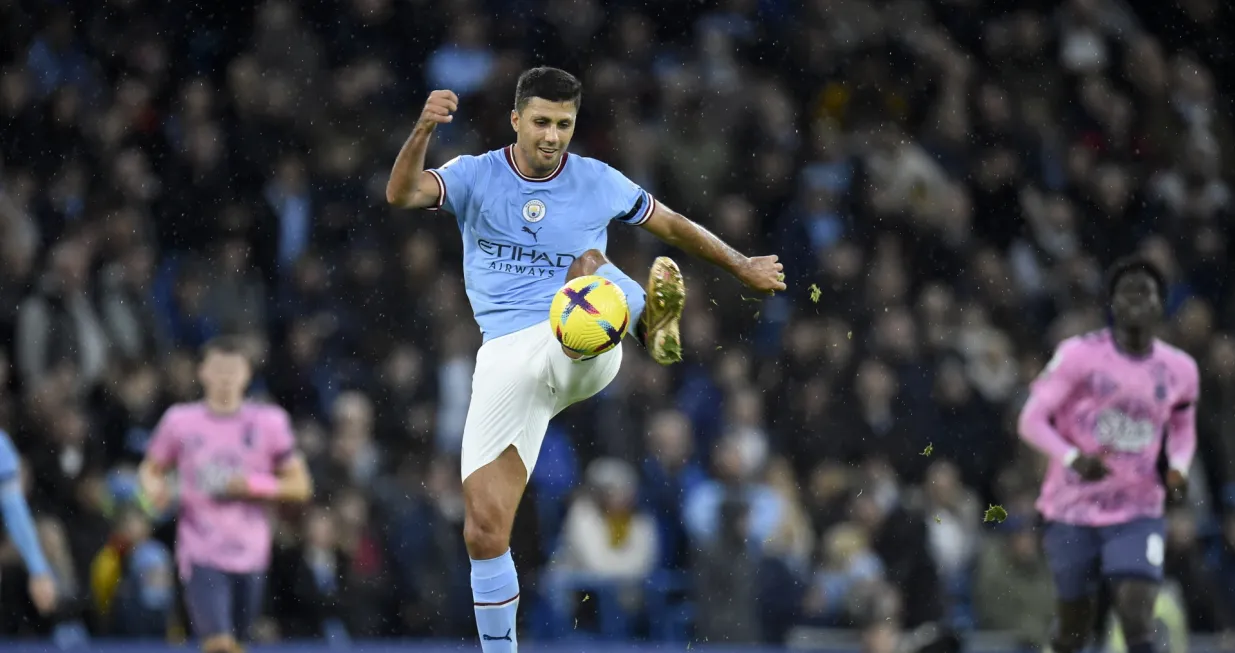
{"type": "Point", "coordinates": [762, 273]}
{"type": "Point", "coordinates": [410, 187]}
{"type": "Point", "coordinates": [1048, 395]}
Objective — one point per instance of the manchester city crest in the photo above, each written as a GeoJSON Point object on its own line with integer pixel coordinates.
{"type": "Point", "coordinates": [534, 211]}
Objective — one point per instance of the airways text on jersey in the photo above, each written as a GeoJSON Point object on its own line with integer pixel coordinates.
{"type": "Point", "coordinates": [518, 259]}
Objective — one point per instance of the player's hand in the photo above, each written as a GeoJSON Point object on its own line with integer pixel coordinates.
{"type": "Point", "coordinates": [43, 593]}
{"type": "Point", "coordinates": [1091, 468]}
{"type": "Point", "coordinates": [237, 487]}
{"type": "Point", "coordinates": [1176, 487]}
{"type": "Point", "coordinates": [762, 273]}
{"type": "Point", "coordinates": [156, 495]}
{"type": "Point", "coordinates": [438, 108]}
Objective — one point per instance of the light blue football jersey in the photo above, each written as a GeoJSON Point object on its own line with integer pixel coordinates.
{"type": "Point", "coordinates": [520, 234]}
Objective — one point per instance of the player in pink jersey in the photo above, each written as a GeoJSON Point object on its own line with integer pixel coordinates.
{"type": "Point", "coordinates": [1103, 410]}
{"type": "Point", "coordinates": [233, 456]}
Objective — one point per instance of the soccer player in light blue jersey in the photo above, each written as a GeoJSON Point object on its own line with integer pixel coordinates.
{"type": "Point", "coordinates": [20, 526]}
{"type": "Point", "coordinates": [533, 217]}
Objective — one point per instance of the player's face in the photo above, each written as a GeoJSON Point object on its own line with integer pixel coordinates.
{"type": "Point", "coordinates": [1136, 301]}
{"type": "Point", "coordinates": [544, 130]}
{"type": "Point", "coordinates": [225, 377]}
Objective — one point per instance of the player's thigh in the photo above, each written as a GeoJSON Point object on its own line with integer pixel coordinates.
{"type": "Point", "coordinates": [577, 380]}
{"type": "Point", "coordinates": [1135, 550]}
{"type": "Point", "coordinates": [248, 592]}
{"type": "Point", "coordinates": [511, 402]}
{"type": "Point", "coordinates": [208, 598]}
{"type": "Point", "coordinates": [1074, 554]}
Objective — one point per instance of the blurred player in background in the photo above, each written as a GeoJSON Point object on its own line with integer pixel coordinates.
{"type": "Point", "coordinates": [233, 456]}
{"type": "Point", "coordinates": [1101, 411]}
{"type": "Point", "coordinates": [533, 217]}
{"type": "Point", "coordinates": [20, 527]}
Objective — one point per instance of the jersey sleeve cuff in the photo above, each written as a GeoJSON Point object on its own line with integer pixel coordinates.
{"type": "Point", "coordinates": [441, 191]}
{"type": "Point", "coordinates": [649, 208]}
{"type": "Point", "coordinates": [640, 211]}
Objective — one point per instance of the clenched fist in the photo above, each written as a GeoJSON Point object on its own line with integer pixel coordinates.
{"type": "Point", "coordinates": [762, 273]}
{"type": "Point", "coordinates": [1090, 468]}
{"type": "Point", "coordinates": [438, 108]}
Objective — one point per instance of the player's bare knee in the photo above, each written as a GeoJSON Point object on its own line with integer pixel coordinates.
{"type": "Point", "coordinates": [1139, 617]}
{"type": "Point", "coordinates": [587, 263]}
{"type": "Point", "coordinates": [486, 526]}
{"type": "Point", "coordinates": [1073, 627]}
{"type": "Point", "coordinates": [1134, 606]}
{"type": "Point", "coordinates": [491, 497]}
{"type": "Point", "coordinates": [485, 535]}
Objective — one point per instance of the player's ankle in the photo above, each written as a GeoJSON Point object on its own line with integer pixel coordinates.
{"type": "Point", "coordinates": [641, 329]}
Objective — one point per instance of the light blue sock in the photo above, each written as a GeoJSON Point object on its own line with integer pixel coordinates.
{"type": "Point", "coordinates": [495, 595]}
{"type": "Point", "coordinates": [636, 296]}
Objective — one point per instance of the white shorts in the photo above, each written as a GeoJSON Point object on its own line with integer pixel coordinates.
{"type": "Point", "coordinates": [521, 381]}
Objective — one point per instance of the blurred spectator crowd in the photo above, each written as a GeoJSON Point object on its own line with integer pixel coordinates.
{"type": "Point", "coordinates": [952, 176]}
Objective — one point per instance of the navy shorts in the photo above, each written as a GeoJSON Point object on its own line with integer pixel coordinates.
{"type": "Point", "coordinates": [223, 603]}
{"type": "Point", "coordinates": [1082, 556]}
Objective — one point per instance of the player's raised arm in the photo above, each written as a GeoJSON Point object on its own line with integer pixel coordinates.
{"type": "Point", "coordinates": [410, 187]}
{"type": "Point", "coordinates": [761, 273]}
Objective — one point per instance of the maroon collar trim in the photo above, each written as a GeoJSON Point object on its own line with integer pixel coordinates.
{"type": "Point", "coordinates": [510, 160]}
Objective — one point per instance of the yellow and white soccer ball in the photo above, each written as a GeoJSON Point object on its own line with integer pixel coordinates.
{"type": "Point", "coordinates": [589, 315]}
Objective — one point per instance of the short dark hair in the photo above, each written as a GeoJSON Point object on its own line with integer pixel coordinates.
{"type": "Point", "coordinates": [1130, 264]}
{"type": "Point", "coordinates": [546, 83]}
{"type": "Point", "coordinates": [229, 345]}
